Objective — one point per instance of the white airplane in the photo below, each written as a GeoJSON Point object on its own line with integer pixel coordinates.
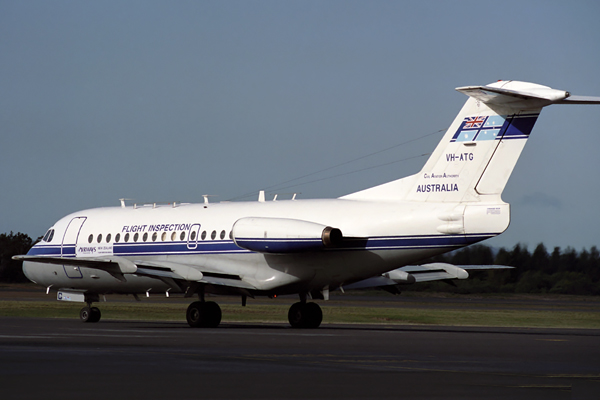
{"type": "Point", "coordinates": [305, 247]}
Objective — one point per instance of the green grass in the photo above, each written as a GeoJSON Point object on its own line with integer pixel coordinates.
{"type": "Point", "coordinates": [458, 315]}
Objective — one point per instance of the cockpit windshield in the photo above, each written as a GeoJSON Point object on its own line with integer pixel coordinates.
{"type": "Point", "coordinates": [48, 236]}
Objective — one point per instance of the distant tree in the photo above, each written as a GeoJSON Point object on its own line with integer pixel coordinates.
{"type": "Point", "coordinates": [592, 268]}
{"type": "Point", "coordinates": [520, 258]}
{"type": "Point", "coordinates": [569, 260]}
{"type": "Point", "coordinates": [473, 255]}
{"type": "Point", "coordinates": [540, 259]}
{"type": "Point", "coordinates": [554, 261]}
{"type": "Point", "coordinates": [13, 244]}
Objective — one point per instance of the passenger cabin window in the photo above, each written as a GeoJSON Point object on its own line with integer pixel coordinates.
{"type": "Point", "coordinates": [203, 236]}
{"type": "Point", "coordinates": [127, 237]}
{"type": "Point", "coordinates": [213, 235]}
{"type": "Point", "coordinates": [99, 237]}
{"type": "Point", "coordinates": [182, 236]}
{"type": "Point", "coordinates": [145, 236]}
{"type": "Point", "coordinates": [173, 236]}
{"type": "Point", "coordinates": [118, 237]}
{"type": "Point", "coordinates": [90, 238]}
{"type": "Point", "coordinates": [222, 235]}
{"type": "Point", "coordinates": [108, 238]}
{"type": "Point", "coordinates": [154, 236]}
{"type": "Point", "coordinates": [164, 236]}
{"type": "Point", "coordinates": [136, 237]}
{"type": "Point", "coordinates": [193, 235]}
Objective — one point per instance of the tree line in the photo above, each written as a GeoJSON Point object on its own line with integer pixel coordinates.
{"type": "Point", "coordinates": [12, 244]}
{"type": "Point", "coordinates": [560, 271]}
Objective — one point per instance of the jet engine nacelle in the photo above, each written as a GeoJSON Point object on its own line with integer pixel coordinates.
{"type": "Point", "coordinates": [284, 235]}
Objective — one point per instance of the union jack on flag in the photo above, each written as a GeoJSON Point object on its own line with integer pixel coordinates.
{"type": "Point", "coordinates": [473, 122]}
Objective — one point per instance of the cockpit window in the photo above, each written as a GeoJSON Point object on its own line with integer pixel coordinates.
{"type": "Point", "coordinates": [48, 236]}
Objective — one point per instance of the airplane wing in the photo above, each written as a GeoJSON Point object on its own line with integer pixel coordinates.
{"type": "Point", "coordinates": [168, 272]}
{"type": "Point", "coordinates": [420, 273]}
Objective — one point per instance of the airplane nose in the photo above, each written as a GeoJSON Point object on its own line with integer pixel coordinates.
{"type": "Point", "coordinates": [30, 269]}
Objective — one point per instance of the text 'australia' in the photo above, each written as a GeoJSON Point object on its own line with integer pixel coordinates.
{"type": "Point", "coordinates": [438, 187]}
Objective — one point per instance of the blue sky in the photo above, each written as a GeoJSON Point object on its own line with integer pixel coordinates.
{"type": "Point", "coordinates": [167, 101]}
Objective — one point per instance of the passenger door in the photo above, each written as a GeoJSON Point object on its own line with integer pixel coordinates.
{"type": "Point", "coordinates": [68, 245]}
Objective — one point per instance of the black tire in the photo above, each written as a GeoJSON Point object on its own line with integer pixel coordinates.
{"type": "Point", "coordinates": [203, 314]}
{"type": "Point", "coordinates": [95, 314]}
{"type": "Point", "coordinates": [314, 315]}
{"type": "Point", "coordinates": [85, 314]}
{"type": "Point", "coordinates": [307, 315]}
{"type": "Point", "coordinates": [295, 315]}
{"type": "Point", "coordinates": [194, 314]}
{"type": "Point", "coordinates": [212, 313]}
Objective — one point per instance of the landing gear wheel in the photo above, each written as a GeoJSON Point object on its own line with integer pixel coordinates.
{"type": "Point", "coordinates": [295, 315]}
{"type": "Point", "coordinates": [314, 314]}
{"type": "Point", "coordinates": [95, 314]}
{"type": "Point", "coordinates": [90, 314]}
{"type": "Point", "coordinates": [85, 314]}
{"type": "Point", "coordinates": [305, 315]}
{"type": "Point", "coordinates": [203, 314]}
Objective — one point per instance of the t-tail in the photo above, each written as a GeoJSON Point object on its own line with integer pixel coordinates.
{"type": "Point", "coordinates": [476, 156]}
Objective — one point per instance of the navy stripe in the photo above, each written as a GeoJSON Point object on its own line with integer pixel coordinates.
{"type": "Point", "coordinates": [229, 247]}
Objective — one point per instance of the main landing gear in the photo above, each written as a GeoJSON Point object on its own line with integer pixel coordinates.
{"type": "Point", "coordinates": [305, 315]}
{"type": "Point", "coordinates": [203, 314]}
{"type": "Point", "coordinates": [207, 314]}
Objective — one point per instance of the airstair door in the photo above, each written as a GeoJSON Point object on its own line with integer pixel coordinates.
{"type": "Point", "coordinates": [68, 245]}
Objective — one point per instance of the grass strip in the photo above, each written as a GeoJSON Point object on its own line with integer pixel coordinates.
{"type": "Point", "coordinates": [331, 314]}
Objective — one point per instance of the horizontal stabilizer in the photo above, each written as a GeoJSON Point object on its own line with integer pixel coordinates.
{"type": "Point", "coordinates": [580, 100]}
{"type": "Point", "coordinates": [523, 96]}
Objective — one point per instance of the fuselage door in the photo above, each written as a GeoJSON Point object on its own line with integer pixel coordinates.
{"type": "Point", "coordinates": [192, 237]}
{"type": "Point", "coordinates": [69, 243]}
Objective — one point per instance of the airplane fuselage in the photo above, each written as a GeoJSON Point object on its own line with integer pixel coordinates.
{"type": "Point", "coordinates": [378, 237]}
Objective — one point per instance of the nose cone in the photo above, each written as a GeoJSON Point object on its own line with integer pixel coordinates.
{"type": "Point", "coordinates": [31, 271]}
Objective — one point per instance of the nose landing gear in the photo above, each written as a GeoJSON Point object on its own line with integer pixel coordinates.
{"type": "Point", "coordinates": [90, 314]}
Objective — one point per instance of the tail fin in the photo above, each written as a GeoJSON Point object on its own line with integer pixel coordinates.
{"type": "Point", "coordinates": [480, 149]}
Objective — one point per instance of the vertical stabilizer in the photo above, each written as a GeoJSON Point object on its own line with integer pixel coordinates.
{"type": "Point", "coordinates": [477, 154]}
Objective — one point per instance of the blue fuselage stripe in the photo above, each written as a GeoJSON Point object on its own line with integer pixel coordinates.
{"type": "Point", "coordinates": [228, 246]}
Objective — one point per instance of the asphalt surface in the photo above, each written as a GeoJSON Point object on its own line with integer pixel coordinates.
{"type": "Point", "coordinates": [67, 359]}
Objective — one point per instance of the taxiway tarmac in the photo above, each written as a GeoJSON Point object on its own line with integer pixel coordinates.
{"type": "Point", "coordinates": [61, 358]}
